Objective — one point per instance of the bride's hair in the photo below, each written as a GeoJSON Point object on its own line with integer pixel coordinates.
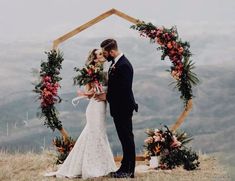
{"type": "Point", "coordinates": [91, 57]}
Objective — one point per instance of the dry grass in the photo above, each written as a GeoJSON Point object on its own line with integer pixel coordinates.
{"type": "Point", "coordinates": [31, 167]}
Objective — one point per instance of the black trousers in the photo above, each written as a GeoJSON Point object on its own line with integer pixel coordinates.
{"type": "Point", "coordinates": [125, 133]}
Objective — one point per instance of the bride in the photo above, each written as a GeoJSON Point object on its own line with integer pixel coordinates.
{"type": "Point", "coordinates": [91, 155]}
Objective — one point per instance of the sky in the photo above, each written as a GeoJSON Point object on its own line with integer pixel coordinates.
{"type": "Point", "coordinates": [46, 20]}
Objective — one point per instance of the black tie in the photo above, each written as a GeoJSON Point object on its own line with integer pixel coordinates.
{"type": "Point", "coordinates": [110, 68]}
{"type": "Point", "coordinates": [113, 61]}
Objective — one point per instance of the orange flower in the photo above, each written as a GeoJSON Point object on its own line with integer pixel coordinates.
{"type": "Point", "coordinates": [54, 141]}
{"type": "Point", "coordinates": [61, 149]}
{"type": "Point", "coordinates": [176, 74]}
{"type": "Point", "coordinates": [169, 45]}
{"type": "Point", "coordinates": [158, 149]}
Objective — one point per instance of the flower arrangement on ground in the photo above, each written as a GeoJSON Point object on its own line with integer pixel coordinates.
{"type": "Point", "coordinates": [63, 148]}
{"type": "Point", "coordinates": [171, 148]}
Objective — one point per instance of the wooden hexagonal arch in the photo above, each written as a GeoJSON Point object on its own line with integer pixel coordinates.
{"type": "Point", "coordinates": [99, 18]}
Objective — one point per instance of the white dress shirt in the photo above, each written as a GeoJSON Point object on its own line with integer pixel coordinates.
{"type": "Point", "coordinates": [115, 61]}
{"type": "Point", "coordinates": [117, 58]}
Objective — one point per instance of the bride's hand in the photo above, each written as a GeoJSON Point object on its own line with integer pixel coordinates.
{"type": "Point", "coordinates": [100, 97]}
{"type": "Point", "coordinates": [88, 94]}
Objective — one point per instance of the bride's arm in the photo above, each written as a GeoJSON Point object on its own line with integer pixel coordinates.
{"type": "Point", "coordinates": [89, 92]}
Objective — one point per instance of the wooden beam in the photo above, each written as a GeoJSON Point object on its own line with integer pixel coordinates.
{"type": "Point", "coordinates": [81, 28]}
{"type": "Point", "coordinates": [183, 115]}
{"type": "Point", "coordinates": [126, 17]}
{"type": "Point", "coordinates": [92, 22]}
{"type": "Point", "coordinates": [138, 158]}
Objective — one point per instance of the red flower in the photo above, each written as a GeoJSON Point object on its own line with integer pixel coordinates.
{"type": "Point", "coordinates": [159, 31]}
{"type": "Point", "coordinates": [181, 49]}
{"type": "Point", "coordinates": [159, 41]}
{"type": "Point", "coordinates": [47, 79]}
{"type": "Point", "coordinates": [89, 71]}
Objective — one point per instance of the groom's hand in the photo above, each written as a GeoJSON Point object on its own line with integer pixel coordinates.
{"type": "Point", "coordinates": [100, 97]}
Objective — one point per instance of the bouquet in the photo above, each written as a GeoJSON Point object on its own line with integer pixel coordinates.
{"type": "Point", "coordinates": [160, 140]}
{"type": "Point", "coordinates": [171, 148]}
{"type": "Point", "coordinates": [90, 74]}
{"type": "Point", "coordinates": [63, 148]}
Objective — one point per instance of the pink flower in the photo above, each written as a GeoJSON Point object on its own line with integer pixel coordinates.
{"type": "Point", "coordinates": [175, 143]}
{"type": "Point", "coordinates": [57, 84]}
{"type": "Point", "coordinates": [47, 79]}
{"type": "Point", "coordinates": [173, 43]}
{"type": "Point", "coordinates": [148, 140]}
{"type": "Point", "coordinates": [159, 41]}
{"type": "Point", "coordinates": [181, 49]}
{"type": "Point", "coordinates": [157, 138]}
{"type": "Point", "coordinates": [89, 71]}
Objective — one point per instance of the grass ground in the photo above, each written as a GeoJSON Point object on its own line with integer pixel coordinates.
{"type": "Point", "coordinates": [31, 167]}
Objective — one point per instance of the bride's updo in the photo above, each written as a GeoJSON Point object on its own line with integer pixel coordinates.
{"type": "Point", "coordinates": [91, 57]}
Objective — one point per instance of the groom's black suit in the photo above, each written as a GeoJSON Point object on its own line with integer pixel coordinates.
{"type": "Point", "coordinates": [122, 104]}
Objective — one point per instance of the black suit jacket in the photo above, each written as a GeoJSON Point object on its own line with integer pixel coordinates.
{"type": "Point", "coordinates": [119, 94]}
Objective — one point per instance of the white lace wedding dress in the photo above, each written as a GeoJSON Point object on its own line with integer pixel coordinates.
{"type": "Point", "coordinates": [91, 155]}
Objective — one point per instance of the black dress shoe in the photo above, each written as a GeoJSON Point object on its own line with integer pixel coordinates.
{"type": "Point", "coordinates": [122, 175]}
{"type": "Point", "coordinates": [118, 171]}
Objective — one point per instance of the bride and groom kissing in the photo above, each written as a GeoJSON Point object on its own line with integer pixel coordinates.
{"type": "Point", "coordinates": [91, 155]}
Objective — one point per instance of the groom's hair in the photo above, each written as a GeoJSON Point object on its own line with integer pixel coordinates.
{"type": "Point", "coordinates": [109, 44]}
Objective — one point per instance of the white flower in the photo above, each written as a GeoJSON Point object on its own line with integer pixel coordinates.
{"type": "Point", "coordinates": [149, 140]}
{"type": "Point", "coordinates": [156, 131]}
{"type": "Point", "coordinates": [157, 138]}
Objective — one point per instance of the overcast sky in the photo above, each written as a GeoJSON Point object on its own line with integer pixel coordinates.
{"type": "Point", "coordinates": [42, 20]}
{"type": "Point", "coordinates": [209, 25]}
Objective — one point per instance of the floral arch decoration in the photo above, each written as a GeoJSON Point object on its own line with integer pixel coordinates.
{"type": "Point", "coordinates": [169, 43]}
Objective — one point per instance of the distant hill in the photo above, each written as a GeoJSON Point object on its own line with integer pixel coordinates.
{"type": "Point", "coordinates": [211, 118]}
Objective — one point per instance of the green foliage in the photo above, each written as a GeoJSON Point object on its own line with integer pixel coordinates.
{"type": "Point", "coordinates": [53, 65]}
{"type": "Point", "coordinates": [183, 137]}
{"type": "Point", "coordinates": [50, 116]}
{"type": "Point", "coordinates": [188, 79]}
{"type": "Point", "coordinates": [50, 68]}
{"type": "Point", "coordinates": [178, 157]}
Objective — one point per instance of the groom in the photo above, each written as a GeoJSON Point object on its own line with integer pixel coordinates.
{"type": "Point", "coordinates": [122, 104]}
